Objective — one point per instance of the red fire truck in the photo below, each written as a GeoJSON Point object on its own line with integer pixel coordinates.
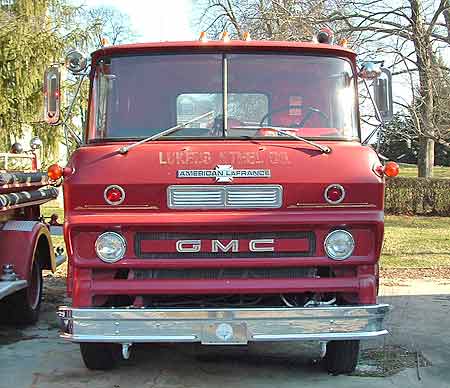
{"type": "Point", "coordinates": [25, 244]}
{"type": "Point", "coordinates": [221, 194]}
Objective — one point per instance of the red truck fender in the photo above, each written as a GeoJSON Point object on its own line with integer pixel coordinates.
{"type": "Point", "coordinates": [19, 241]}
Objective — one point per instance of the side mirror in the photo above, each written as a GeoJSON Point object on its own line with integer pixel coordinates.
{"type": "Point", "coordinates": [52, 95]}
{"type": "Point", "coordinates": [370, 70]}
{"type": "Point", "coordinates": [75, 62]}
{"type": "Point", "coordinates": [382, 88]}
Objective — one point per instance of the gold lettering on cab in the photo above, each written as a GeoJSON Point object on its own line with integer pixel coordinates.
{"type": "Point", "coordinates": [236, 158]}
{"type": "Point", "coordinates": [191, 158]}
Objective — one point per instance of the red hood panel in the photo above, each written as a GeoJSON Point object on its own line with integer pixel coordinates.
{"type": "Point", "coordinates": [146, 171]}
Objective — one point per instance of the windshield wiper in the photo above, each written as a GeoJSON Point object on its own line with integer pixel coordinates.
{"type": "Point", "coordinates": [125, 149]}
{"type": "Point", "coordinates": [282, 130]}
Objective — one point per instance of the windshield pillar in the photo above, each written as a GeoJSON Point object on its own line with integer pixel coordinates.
{"type": "Point", "coordinates": [225, 94]}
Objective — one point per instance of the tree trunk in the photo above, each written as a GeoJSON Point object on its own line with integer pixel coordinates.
{"type": "Point", "coordinates": [424, 55]}
{"type": "Point", "coordinates": [425, 160]}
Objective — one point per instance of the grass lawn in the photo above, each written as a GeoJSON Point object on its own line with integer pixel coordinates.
{"type": "Point", "coordinates": [416, 242]}
{"type": "Point", "coordinates": [413, 242]}
{"type": "Point", "coordinates": [410, 171]}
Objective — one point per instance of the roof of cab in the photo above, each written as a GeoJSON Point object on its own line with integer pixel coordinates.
{"type": "Point", "coordinates": [224, 46]}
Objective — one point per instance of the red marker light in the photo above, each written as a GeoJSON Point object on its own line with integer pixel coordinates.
{"type": "Point", "coordinates": [334, 194]}
{"type": "Point", "coordinates": [325, 35]}
{"type": "Point", "coordinates": [55, 172]}
{"type": "Point", "coordinates": [391, 169]}
{"type": "Point", "coordinates": [114, 195]}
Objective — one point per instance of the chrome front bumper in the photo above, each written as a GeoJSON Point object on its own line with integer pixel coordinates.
{"type": "Point", "coordinates": [221, 326]}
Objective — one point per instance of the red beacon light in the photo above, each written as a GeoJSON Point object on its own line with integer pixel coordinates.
{"type": "Point", "coordinates": [114, 195]}
{"type": "Point", "coordinates": [334, 194]}
{"type": "Point", "coordinates": [203, 37]}
{"type": "Point", "coordinates": [325, 35]}
{"type": "Point", "coordinates": [225, 37]}
{"type": "Point", "coordinates": [391, 169]}
{"type": "Point", "coordinates": [55, 172]}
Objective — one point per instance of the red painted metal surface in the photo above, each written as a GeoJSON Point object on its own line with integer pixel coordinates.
{"type": "Point", "coordinates": [233, 45]}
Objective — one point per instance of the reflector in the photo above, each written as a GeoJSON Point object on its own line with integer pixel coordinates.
{"type": "Point", "coordinates": [114, 195]}
{"type": "Point", "coordinates": [334, 194]}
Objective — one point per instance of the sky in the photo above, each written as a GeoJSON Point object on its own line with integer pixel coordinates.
{"type": "Point", "coordinates": [154, 20]}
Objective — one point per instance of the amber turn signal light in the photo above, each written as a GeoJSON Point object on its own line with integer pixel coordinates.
{"type": "Point", "coordinates": [55, 172]}
{"type": "Point", "coordinates": [391, 169]}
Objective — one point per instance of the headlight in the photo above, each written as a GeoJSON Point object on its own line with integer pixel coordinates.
{"type": "Point", "coordinates": [110, 247]}
{"type": "Point", "coordinates": [339, 245]}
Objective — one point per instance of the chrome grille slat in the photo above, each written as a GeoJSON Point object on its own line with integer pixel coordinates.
{"type": "Point", "coordinates": [224, 196]}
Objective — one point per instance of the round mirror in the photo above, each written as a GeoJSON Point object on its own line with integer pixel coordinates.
{"type": "Point", "coordinates": [75, 61]}
{"type": "Point", "coordinates": [370, 70]}
{"type": "Point", "coordinates": [16, 148]}
{"type": "Point", "coordinates": [35, 143]}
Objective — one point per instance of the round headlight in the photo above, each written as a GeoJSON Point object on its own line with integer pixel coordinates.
{"type": "Point", "coordinates": [339, 245]}
{"type": "Point", "coordinates": [110, 247]}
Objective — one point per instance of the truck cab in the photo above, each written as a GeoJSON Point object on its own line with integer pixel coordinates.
{"type": "Point", "coordinates": [222, 195]}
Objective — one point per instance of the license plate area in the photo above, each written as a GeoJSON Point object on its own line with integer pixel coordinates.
{"type": "Point", "coordinates": [224, 333]}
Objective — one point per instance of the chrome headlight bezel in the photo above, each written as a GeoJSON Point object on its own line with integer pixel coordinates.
{"type": "Point", "coordinates": [332, 255]}
{"type": "Point", "coordinates": [121, 246]}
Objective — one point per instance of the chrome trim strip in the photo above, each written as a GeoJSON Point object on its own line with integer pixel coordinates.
{"type": "Point", "coordinates": [130, 325]}
{"type": "Point", "coordinates": [10, 287]}
{"type": "Point", "coordinates": [224, 196]}
{"type": "Point", "coordinates": [326, 205]}
{"type": "Point", "coordinates": [61, 259]}
{"type": "Point", "coordinates": [118, 207]}
{"type": "Point", "coordinates": [33, 203]}
{"type": "Point", "coordinates": [20, 226]}
{"type": "Point", "coordinates": [321, 337]}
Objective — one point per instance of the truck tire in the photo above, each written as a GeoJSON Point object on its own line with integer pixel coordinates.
{"type": "Point", "coordinates": [25, 304]}
{"type": "Point", "coordinates": [99, 356]}
{"type": "Point", "coordinates": [341, 356]}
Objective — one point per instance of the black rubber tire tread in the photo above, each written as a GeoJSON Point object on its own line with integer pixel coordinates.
{"type": "Point", "coordinates": [20, 310]}
{"type": "Point", "coordinates": [341, 356]}
{"type": "Point", "coordinates": [99, 356]}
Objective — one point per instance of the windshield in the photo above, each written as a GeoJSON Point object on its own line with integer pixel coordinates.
{"type": "Point", "coordinates": [135, 97]}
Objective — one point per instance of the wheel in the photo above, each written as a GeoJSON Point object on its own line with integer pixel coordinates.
{"type": "Point", "coordinates": [341, 356]}
{"type": "Point", "coordinates": [25, 304]}
{"type": "Point", "coordinates": [100, 356]}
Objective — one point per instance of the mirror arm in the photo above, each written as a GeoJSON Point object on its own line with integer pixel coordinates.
{"type": "Point", "coordinates": [375, 107]}
{"type": "Point", "coordinates": [69, 111]}
{"type": "Point", "coordinates": [377, 116]}
{"type": "Point", "coordinates": [371, 134]}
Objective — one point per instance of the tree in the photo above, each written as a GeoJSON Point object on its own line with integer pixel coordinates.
{"type": "Point", "coordinates": [263, 19]}
{"type": "Point", "coordinates": [34, 34]}
{"type": "Point", "coordinates": [412, 34]}
{"type": "Point", "coordinates": [103, 26]}
{"type": "Point", "coordinates": [29, 39]}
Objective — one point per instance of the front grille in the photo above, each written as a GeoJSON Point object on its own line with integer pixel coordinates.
{"type": "Point", "coordinates": [222, 197]}
{"type": "Point", "coordinates": [146, 244]}
{"type": "Point", "coordinates": [226, 273]}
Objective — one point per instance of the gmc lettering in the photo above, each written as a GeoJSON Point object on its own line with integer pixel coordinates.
{"type": "Point", "coordinates": [259, 245]}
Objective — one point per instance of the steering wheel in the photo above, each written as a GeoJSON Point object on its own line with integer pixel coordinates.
{"type": "Point", "coordinates": [217, 127]}
{"type": "Point", "coordinates": [310, 110]}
